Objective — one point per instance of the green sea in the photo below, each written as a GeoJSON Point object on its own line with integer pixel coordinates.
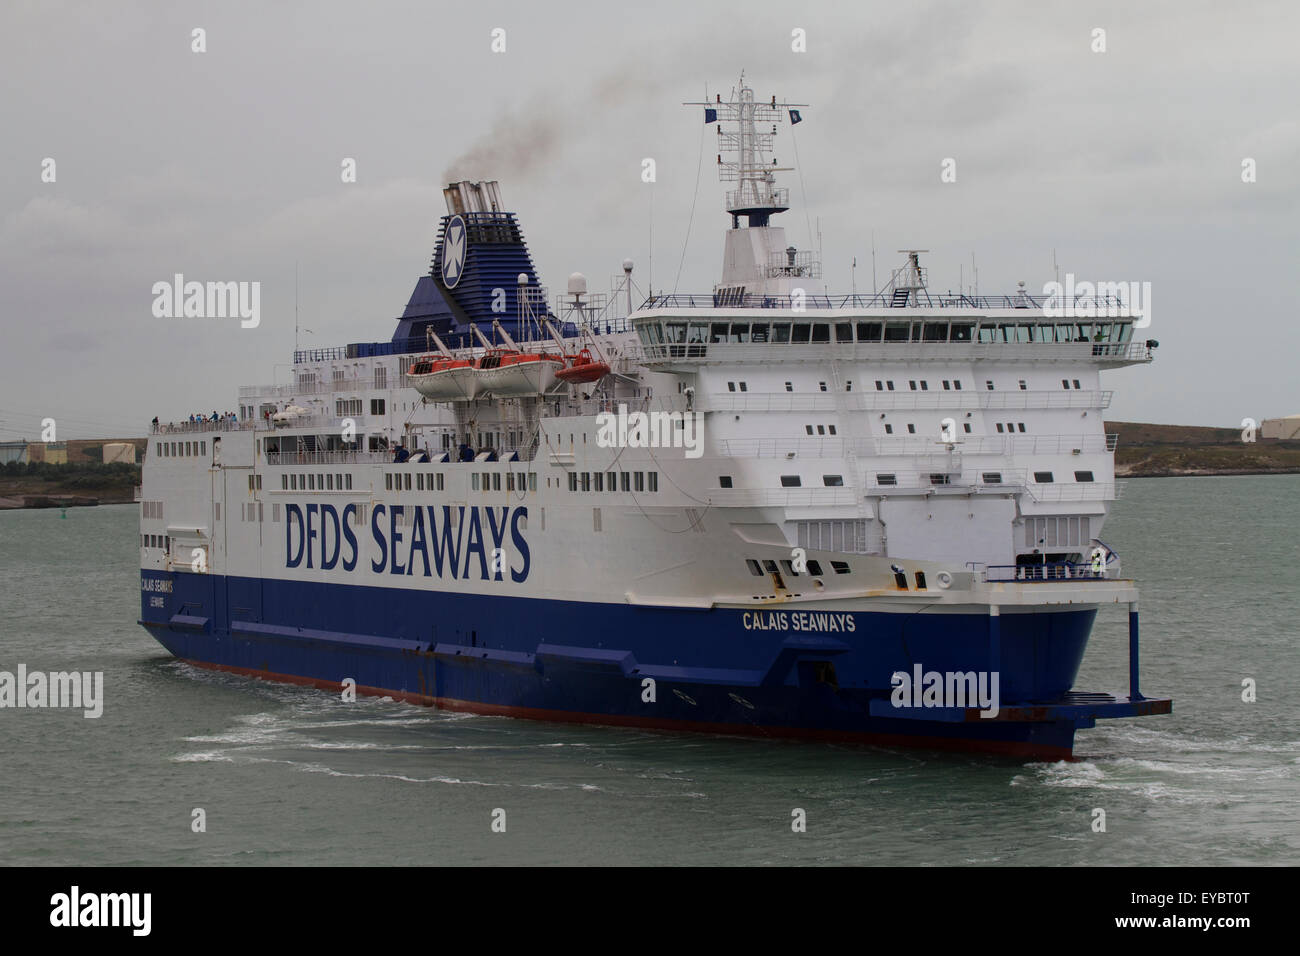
{"type": "Point", "coordinates": [287, 775]}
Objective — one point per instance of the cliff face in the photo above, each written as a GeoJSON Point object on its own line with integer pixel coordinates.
{"type": "Point", "coordinates": [1151, 451]}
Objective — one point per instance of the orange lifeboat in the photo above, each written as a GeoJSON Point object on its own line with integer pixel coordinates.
{"type": "Point", "coordinates": [443, 379]}
{"type": "Point", "coordinates": [509, 372]}
{"type": "Point", "coordinates": [583, 368]}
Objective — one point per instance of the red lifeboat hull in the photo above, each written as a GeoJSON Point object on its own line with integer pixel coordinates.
{"type": "Point", "coordinates": [582, 368]}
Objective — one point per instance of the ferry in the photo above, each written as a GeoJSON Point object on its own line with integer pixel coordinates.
{"type": "Point", "coordinates": [762, 510]}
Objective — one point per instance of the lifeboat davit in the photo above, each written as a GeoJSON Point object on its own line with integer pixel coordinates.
{"type": "Point", "coordinates": [582, 368]}
{"type": "Point", "coordinates": [511, 373]}
{"type": "Point", "coordinates": [443, 379]}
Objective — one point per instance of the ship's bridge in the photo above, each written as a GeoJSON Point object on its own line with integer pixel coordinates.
{"type": "Point", "coordinates": [696, 328]}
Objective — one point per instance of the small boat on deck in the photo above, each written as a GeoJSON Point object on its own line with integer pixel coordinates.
{"type": "Point", "coordinates": [512, 373]}
{"type": "Point", "coordinates": [582, 369]}
{"type": "Point", "coordinates": [444, 379]}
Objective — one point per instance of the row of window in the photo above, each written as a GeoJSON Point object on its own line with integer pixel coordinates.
{"type": "Point", "coordinates": [813, 567]}
{"type": "Point", "coordinates": [614, 481]}
{"type": "Point", "coordinates": [180, 449]}
{"type": "Point", "coordinates": [491, 481]}
{"type": "Point", "coordinates": [307, 380]}
{"type": "Point", "coordinates": [430, 481]}
{"type": "Point", "coordinates": [314, 482]}
{"type": "Point", "coordinates": [794, 481]}
{"type": "Point", "coordinates": [821, 429]}
{"type": "Point", "coordinates": [156, 541]}
{"type": "Point", "coordinates": [151, 509]}
{"type": "Point", "coordinates": [988, 478]}
{"type": "Point", "coordinates": [700, 333]}
{"type": "Point", "coordinates": [915, 385]}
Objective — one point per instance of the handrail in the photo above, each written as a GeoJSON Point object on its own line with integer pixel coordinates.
{"type": "Point", "coordinates": [1104, 306]}
{"type": "Point", "coordinates": [1055, 571]}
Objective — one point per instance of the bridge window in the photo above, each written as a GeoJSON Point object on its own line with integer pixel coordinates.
{"type": "Point", "coordinates": [897, 331]}
{"type": "Point", "coordinates": [821, 332]}
{"type": "Point", "coordinates": [754, 567]}
{"type": "Point", "coordinates": [935, 332]}
{"type": "Point", "coordinates": [962, 331]}
{"type": "Point", "coordinates": [781, 333]}
{"type": "Point", "coordinates": [802, 333]}
{"type": "Point", "coordinates": [870, 331]}
{"type": "Point", "coordinates": [843, 332]}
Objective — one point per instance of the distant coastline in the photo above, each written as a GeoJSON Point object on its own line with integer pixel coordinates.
{"type": "Point", "coordinates": [1169, 451]}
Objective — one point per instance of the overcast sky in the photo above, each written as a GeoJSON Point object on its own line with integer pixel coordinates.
{"type": "Point", "coordinates": [225, 165]}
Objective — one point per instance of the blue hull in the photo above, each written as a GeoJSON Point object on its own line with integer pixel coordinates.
{"type": "Point", "coordinates": [817, 675]}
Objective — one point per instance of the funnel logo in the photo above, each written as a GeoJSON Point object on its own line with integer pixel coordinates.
{"type": "Point", "coordinates": [453, 252]}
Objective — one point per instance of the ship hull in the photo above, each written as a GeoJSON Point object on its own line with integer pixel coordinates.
{"type": "Point", "coordinates": [673, 669]}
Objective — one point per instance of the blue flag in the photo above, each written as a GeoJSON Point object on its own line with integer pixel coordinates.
{"type": "Point", "coordinates": [710, 116]}
{"type": "Point", "coordinates": [795, 117]}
